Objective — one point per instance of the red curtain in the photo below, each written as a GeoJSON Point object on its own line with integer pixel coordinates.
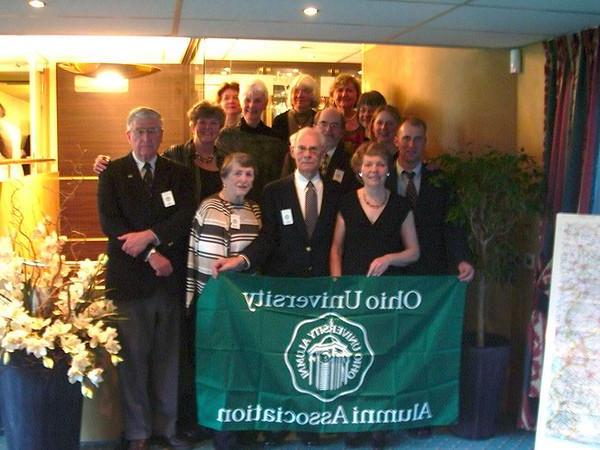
{"type": "Point", "coordinates": [572, 117]}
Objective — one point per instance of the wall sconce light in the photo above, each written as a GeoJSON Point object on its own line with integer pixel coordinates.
{"type": "Point", "coordinates": [515, 60]}
{"type": "Point", "coordinates": [127, 71]}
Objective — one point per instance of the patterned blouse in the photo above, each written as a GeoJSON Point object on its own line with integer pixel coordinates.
{"type": "Point", "coordinates": [219, 229]}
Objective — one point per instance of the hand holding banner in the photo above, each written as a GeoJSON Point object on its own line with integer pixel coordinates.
{"type": "Point", "coordinates": [328, 354]}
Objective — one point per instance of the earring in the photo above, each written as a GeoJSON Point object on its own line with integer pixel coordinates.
{"type": "Point", "coordinates": [360, 174]}
{"type": "Point", "coordinates": [387, 174]}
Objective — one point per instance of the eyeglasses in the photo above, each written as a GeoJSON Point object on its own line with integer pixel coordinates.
{"type": "Point", "coordinates": [331, 125]}
{"type": "Point", "coordinates": [304, 148]}
{"type": "Point", "coordinates": [152, 131]}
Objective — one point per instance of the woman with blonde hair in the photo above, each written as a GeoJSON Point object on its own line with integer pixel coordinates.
{"type": "Point", "coordinates": [302, 99]}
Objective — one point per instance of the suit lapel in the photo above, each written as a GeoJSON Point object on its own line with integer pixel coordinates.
{"type": "Point", "coordinates": [291, 198]}
{"type": "Point", "coordinates": [425, 188]}
{"type": "Point", "coordinates": [327, 204]}
{"type": "Point", "coordinates": [133, 175]}
{"type": "Point", "coordinates": [335, 161]}
{"type": "Point", "coordinates": [161, 176]}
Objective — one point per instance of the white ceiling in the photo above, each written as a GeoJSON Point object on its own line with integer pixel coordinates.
{"type": "Point", "coordinates": [457, 23]}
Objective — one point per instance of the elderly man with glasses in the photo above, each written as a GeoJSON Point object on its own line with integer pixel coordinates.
{"type": "Point", "coordinates": [146, 205]}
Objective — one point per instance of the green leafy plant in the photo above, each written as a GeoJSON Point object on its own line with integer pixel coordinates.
{"type": "Point", "coordinates": [493, 193]}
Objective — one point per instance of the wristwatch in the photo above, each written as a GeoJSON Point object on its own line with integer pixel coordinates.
{"type": "Point", "coordinates": [151, 252]}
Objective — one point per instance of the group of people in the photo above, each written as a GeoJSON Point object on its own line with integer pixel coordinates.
{"type": "Point", "coordinates": [340, 191]}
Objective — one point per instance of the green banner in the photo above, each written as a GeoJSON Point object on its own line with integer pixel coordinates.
{"type": "Point", "coordinates": [328, 354]}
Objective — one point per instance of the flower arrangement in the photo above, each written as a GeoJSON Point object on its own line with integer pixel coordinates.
{"type": "Point", "coordinates": [52, 310]}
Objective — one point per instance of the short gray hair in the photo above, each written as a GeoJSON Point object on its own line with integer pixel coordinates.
{"type": "Point", "coordinates": [257, 87]}
{"type": "Point", "coordinates": [143, 112]}
{"type": "Point", "coordinates": [243, 159]}
{"type": "Point", "coordinates": [294, 138]}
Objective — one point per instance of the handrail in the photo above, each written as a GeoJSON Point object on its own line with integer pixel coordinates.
{"type": "Point", "coordinates": [5, 162]}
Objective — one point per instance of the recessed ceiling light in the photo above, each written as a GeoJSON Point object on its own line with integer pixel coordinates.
{"type": "Point", "coordinates": [311, 11]}
{"type": "Point", "coordinates": [37, 3]}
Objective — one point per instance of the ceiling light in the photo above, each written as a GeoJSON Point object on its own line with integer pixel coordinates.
{"type": "Point", "coordinates": [37, 3]}
{"type": "Point", "coordinates": [311, 11]}
{"type": "Point", "coordinates": [127, 71]}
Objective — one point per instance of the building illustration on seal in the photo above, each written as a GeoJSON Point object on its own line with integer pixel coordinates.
{"type": "Point", "coordinates": [329, 363]}
{"type": "Point", "coordinates": [328, 356]}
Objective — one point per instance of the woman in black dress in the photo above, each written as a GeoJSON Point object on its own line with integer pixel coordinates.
{"type": "Point", "coordinates": [375, 228]}
{"type": "Point", "coordinates": [374, 235]}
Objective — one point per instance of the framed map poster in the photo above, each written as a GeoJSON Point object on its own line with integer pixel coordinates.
{"type": "Point", "coordinates": [569, 412]}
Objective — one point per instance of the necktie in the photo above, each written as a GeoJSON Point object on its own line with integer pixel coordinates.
{"type": "Point", "coordinates": [411, 189]}
{"type": "Point", "coordinates": [324, 164]}
{"type": "Point", "coordinates": [311, 212]}
{"type": "Point", "coordinates": [148, 177]}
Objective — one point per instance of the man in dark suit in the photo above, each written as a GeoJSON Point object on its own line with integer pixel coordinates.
{"type": "Point", "coordinates": [285, 247]}
{"type": "Point", "coordinates": [444, 248]}
{"type": "Point", "coordinates": [335, 164]}
{"type": "Point", "coordinates": [146, 204]}
{"type": "Point", "coordinates": [295, 238]}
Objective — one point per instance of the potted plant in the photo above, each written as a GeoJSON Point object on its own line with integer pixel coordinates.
{"type": "Point", "coordinates": [54, 333]}
{"type": "Point", "coordinates": [494, 193]}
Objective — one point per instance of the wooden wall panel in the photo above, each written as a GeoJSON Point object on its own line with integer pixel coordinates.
{"type": "Point", "coordinates": [79, 215]}
{"type": "Point", "coordinates": [78, 250]}
{"type": "Point", "coordinates": [94, 123]}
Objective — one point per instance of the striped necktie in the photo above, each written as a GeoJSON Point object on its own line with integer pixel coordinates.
{"type": "Point", "coordinates": [311, 212]}
{"type": "Point", "coordinates": [411, 189]}
{"type": "Point", "coordinates": [148, 178]}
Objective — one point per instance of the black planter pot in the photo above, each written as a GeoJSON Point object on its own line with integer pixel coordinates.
{"type": "Point", "coordinates": [41, 410]}
{"type": "Point", "coordinates": [482, 379]}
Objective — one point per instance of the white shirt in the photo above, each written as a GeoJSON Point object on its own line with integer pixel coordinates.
{"type": "Point", "coordinates": [300, 182]}
{"type": "Point", "coordinates": [140, 164]}
{"type": "Point", "coordinates": [403, 178]}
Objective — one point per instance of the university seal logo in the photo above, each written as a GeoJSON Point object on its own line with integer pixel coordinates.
{"type": "Point", "coordinates": [328, 356]}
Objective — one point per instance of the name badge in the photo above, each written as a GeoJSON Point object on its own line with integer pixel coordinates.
{"type": "Point", "coordinates": [234, 222]}
{"type": "Point", "coordinates": [168, 199]}
{"type": "Point", "coordinates": [286, 216]}
{"type": "Point", "coordinates": [338, 175]}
